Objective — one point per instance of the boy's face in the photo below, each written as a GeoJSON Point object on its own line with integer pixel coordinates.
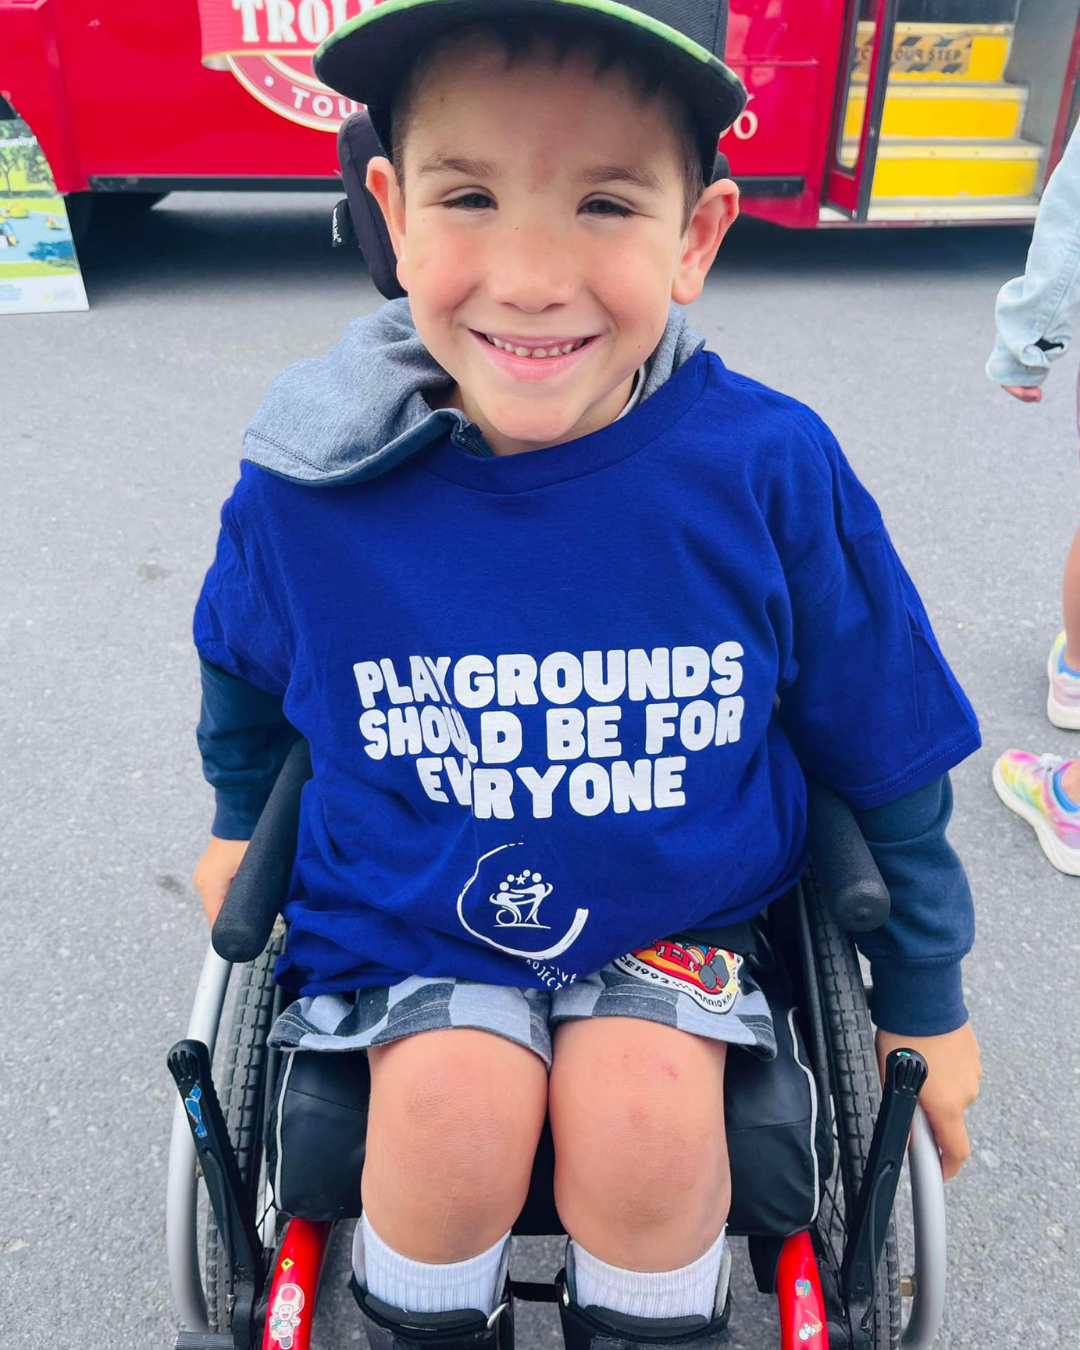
{"type": "Point", "coordinates": [543, 209]}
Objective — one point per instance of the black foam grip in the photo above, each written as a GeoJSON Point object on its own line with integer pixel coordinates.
{"type": "Point", "coordinates": [848, 879]}
{"type": "Point", "coordinates": [242, 928]}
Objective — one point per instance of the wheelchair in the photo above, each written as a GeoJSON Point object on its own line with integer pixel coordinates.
{"type": "Point", "coordinates": [816, 1146]}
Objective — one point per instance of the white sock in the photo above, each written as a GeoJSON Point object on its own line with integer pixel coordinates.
{"type": "Point", "coordinates": [421, 1286]}
{"type": "Point", "coordinates": [692, 1289]}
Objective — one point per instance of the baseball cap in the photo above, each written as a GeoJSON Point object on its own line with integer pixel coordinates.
{"type": "Point", "coordinates": [367, 57]}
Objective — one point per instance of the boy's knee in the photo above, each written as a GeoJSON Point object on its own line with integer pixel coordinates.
{"type": "Point", "coordinates": [452, 1129]}
{"type": "Point", "coordinates": [463, 1106]}
{"type": "Point", "coordinates": [639, 1133]}
{"type": "Point", "coordinates": [643, 1172]}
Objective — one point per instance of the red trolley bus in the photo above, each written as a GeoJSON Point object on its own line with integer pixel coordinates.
{"type": "Point", "coordinates": [861, 111]}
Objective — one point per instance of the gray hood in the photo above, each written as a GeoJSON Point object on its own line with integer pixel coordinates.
{"type": "Point", "coordinates": [361, 407]}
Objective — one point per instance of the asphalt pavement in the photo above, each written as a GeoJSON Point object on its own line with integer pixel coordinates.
{"type": "Point", "coordinates": [119, 438]}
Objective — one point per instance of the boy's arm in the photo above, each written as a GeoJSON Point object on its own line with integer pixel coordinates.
{"type": "Point", "coordinates": [873, 711]}
{"type": "Point", "coordinates": [243, 635]}
{"type": "Point", "coordinates": [244, 739]}
{"type": "Point", "coordinates": [915, 957]}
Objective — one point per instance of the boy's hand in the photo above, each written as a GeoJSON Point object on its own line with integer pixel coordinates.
{"type": "Point", "coordinates": [951, 1087]}
{"type": "Point", "coordinates": [1025, 393]}
{"type": "Point", "coordinates": [215, 871]}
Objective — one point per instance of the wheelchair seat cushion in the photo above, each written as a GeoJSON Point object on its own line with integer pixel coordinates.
{"type": "Point", "coordinates": [778, 1138]}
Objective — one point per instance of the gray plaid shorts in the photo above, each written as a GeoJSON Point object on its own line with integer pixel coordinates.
{"type": "Point", "coordinates": [685, 982]}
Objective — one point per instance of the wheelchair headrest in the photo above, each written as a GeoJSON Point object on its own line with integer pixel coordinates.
{"type": "Point", "coordinates": [358, 143]}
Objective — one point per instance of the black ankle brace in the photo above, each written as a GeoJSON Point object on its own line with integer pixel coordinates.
{"type": "Point", "coordinates": [601, 1329]}
{"type": "Point", "coordinates": [390, 1328]}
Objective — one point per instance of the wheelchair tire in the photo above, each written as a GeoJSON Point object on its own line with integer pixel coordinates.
{"type": "Point", "coordinates": [242, 1094]}
{"type": "Point", "coordinates": [856, 1093]}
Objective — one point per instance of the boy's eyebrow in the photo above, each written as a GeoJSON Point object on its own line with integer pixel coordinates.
{"type": "Point", "coordinates": [470, 168]}
{"type": "Point", "coordinates": [623, 173]}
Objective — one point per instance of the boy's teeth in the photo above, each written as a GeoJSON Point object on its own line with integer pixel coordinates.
{"type": "Point", "coordinates": [537, 353]}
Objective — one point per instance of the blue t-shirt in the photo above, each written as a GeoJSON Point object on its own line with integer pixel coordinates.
{"type": "Point", "coordinates": [541, 689]}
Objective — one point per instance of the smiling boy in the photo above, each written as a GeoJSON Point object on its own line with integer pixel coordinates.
{"type": "Point", "coordinates": [582, 246]}
{"type": "Point", "coordinates": [529, 567]}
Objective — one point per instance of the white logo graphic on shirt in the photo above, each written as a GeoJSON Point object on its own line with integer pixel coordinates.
{"type": "Point", "coordinates": [518, 899]}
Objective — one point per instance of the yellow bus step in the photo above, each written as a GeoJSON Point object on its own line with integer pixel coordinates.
{"type": "Point", "coordinates": [963, 210]}
{"type": "Point", "coordinates": [953, 168]}
{"type": "Point", "coordinates": [948, 111]}
{"type": "Point", "coordinates": [939, 51]}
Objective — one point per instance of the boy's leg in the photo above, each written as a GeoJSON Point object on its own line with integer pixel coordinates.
{"type": "Point", "coordinates": [457, 1101]}
{"type": "Point", "coordinates": [453, 1124]}
{"type": "Point", "coordinates": [641, 1176]}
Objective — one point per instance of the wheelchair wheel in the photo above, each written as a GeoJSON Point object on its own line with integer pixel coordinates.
{"type": "Point", "coordinates": [243, 1091]}
{"type": "Point", "coordinates": [856, 1094]}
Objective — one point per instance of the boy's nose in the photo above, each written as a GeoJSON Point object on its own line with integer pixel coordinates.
{"type": "Point", "coordinates": [529, 268]}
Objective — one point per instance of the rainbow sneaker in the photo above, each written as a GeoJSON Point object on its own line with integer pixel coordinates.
{"type": "Point", "coordinates": [1063, 699]}
{"type": "Point", "coordinates": [1025, 783]}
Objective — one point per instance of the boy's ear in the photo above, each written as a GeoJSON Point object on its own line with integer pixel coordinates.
{"type": "Point", "coordinates": [382, 183]}
{"type": "Point", "coordinates": [713, 216]}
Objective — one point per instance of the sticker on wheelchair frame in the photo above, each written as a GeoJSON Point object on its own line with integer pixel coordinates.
{"type": "Point", "coordinates": [708, 974]}
{"type": "Point", "coordinates": [193, 1102]}
{"type": "Point", "coordinates": [288, 1263]}
{"type": "Point", "coordinates": [285, 1315]}
{"type": "Point", "coordinates": [809, 1330]}
{"type": "Point", "coordinates": [802, 1288]}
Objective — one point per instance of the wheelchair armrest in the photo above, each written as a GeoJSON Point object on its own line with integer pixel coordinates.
{"type": "Point", "coordinates": [243, 926]}
{"type": "Point", "coordinates": [848, 879]}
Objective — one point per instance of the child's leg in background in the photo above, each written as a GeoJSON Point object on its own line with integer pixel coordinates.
{"type": "Point", "coordinates": [1062, 698]}
{"type": "Point", "coordinates": [454, 1120]}
{"type": "Point", "coordinates": [641, 1175]}
{"type": "Point", "coordinates": [1045, 790]}
{"type": "Point", "coordinates": [1070, 604]}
